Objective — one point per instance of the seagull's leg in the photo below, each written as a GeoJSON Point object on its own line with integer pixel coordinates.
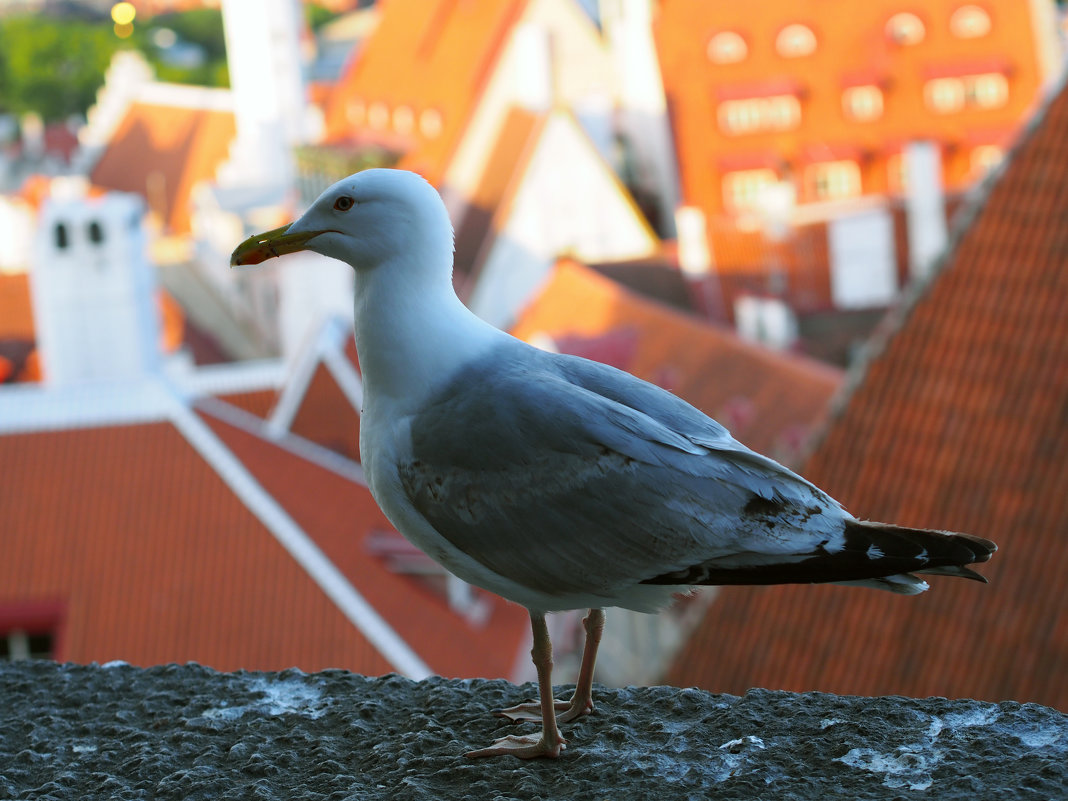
{"type": "Point", "coordinates": [581, 702]}
{"type": "Point", "coordinates": [549, 743]}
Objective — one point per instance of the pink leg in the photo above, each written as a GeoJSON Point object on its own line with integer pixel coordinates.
{"type": "Point", "coordinates": [550, 743]}
{"type": "Point", "coordinates": [581, 702]}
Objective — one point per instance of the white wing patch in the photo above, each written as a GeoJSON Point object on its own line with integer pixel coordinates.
{"type": "Point", "coordinates": [875, 553]}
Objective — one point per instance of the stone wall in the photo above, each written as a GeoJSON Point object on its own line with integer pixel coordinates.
{"type": "Point", "coordinates": [188, 732]}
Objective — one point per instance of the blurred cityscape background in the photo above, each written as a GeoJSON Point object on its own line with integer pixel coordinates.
{"type": "Point", "coordinates": [841, 229]}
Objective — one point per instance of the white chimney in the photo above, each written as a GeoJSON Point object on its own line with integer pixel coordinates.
{"type": "Point", "coordinates": [695, 258]}
{"type": "Point", "coordinates": [93, 290]}
{"type": "Point", "coordinates": [863, 259]}
{"type": "Point", "coordinates": [628, 29]}
{"type": "Point", "coordinates": [263, 55]}
{"type": "Point", "coordinates": [925, 206]}
{"type": "Point", "coordinates": [533, 67]}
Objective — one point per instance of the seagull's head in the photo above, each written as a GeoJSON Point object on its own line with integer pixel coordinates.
{"type": "Point", "coordinates": [363, 220]}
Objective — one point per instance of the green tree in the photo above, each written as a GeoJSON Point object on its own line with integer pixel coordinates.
{"type": "Point", "coordinates": [53, 67]}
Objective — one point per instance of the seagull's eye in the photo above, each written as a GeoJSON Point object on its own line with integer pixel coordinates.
{"type": "Point", "coordinates": [344, 203]}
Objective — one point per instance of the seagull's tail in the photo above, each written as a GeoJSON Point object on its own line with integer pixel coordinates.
{"type": "Point", "coordinates": [911, 550]}
{"type": "Point", "coordinates": [877, 555]}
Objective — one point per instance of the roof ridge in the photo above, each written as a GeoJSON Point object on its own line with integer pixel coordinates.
{"type": "Point", "coordinates": [293, 443]}
{"type": "Point", "coordinates": [28, 408]}
{"type": "Point", "coordinates": [302, 548]}
{"type": "Point", "coordinates": [973, 205]}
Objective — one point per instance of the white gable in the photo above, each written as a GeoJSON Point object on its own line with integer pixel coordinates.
{"type": "Point", "coordinates": [567, 202]}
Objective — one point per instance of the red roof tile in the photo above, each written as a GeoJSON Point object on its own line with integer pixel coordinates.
{"type": "Point", "coordinates": [154, 559]}
{"type": "Point", "coordinates": [431, 56]}
{"type": "Point", "coordinates": [161, 152]}
{"type": "Point", "coordinates": [958, 422]}
{"type": "Point", "coordinates": [343, 519]}
{"type": "Point", "coordinates": [769, 400]}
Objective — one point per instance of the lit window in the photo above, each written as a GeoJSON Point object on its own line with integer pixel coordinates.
{"type": "Point", "coordinates": [356, 113]}
{"type": "Point", "coordinates": [743, 189]}
{"type": "Point", "coordinates": [863, 103]}
{"type": "Point", "coordinates": [759, 114]}
{"type": "Point", "coordinates": [969, 22]}
{"type": "Point", "coordinates": [727, 47]}
{"type": "Point", "coordinates": [990, 90]}
{"type": "Point", "coordinates": [947, 95]}
{"type": "Point", "coordinates": [378, 116]}
{"type": "Point", "coordinates": [430, 123]}
{"type": "Point", "coordinates": [985, 157]}
{"type": "Point", "coordinates": [403, 119]}
{"type": "Point", "coordinates": [944, 95]}
{"type": "Point", "coordinates": [905, 29]}
{"type": "Point", "coordinates": [795, 41]}
{"type": "Point", "coordinates": [833, 180]}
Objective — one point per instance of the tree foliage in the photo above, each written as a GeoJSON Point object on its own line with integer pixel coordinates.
{"type": "Point", "coordinates": [53, 67]}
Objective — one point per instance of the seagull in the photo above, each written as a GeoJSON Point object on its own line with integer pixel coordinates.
{"type": "Point", "coordinates": [556, 482]}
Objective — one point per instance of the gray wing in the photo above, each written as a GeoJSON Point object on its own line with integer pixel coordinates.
{"type": "Point", "coordinates": [569, 476]}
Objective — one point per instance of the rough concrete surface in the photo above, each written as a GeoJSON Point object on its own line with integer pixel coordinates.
{"type": "Point", "coordinates": [188, 732]}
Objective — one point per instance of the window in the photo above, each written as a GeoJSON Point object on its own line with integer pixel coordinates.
{"type": "Point", "coordinates": [905, 29]}
{"type": "Point", "coordinates": [832, 180]}
{"type": "Point", "coordinates": [96, 233]}
{"type": "Point", "coordinates": [430, 123]}
{"type": "Point", "coordinates": [947, 95]}
{"type": "Point", "coordinates": [18, 644]}
{"type": "Point", "coordinates": [985, 158]}
{"type": "Point", "coordinates": [727, 47]}
{"type": "Point", "coordinates": [759, 114]}
{"type": "Point", "coordinates": [62, 239]}
{"type": "Point", "coordinates": [403, 119]}
{"type": "Point", "coordinates": [863, 103]}
{"type": "Point", "coordinates": [357, 113]}
{"type": "Point", "coordinates": [795, 41]}
{"type": "Point", "coordinates": [743, 189]}
{"type": "Point", "coordinates": [969, 22]}
{"type": "Point", "coordinates": [378, 116]}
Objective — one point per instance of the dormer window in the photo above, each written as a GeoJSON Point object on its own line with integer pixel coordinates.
{"type": "Point", "coordinates": [905, 29]}
{"type": "Point", "coordinates": [357, 112]}
{"type": "Point", "coordinates": [862, 103]}
{"type": "Point", "coordinates": [759, 114]}
{"type": "Point", "coordinates": [430, 123]}
{"type": "Point", "coordinates": [969, 22]}
{"type": "Point", "coordinates": [795, 41]}
{"type": "Point", "coordinates": [378, 116]}
{"type": "Point", "coordinates": [403, 120]}
{"type": "Point", "coordinates": [727, 47]}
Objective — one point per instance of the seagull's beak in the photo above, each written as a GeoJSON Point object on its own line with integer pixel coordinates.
{"type": "Point", "coordinates": [260, 247]}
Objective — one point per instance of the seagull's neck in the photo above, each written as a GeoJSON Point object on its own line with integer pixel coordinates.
{"type": "Point", "coordinates": [412, 332]}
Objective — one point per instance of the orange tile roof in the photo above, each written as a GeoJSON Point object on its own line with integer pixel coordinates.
{"type": "Point", "coordinates": [769, 400]}
{"type": "Point", "coordinates": [153, 559]}
{"type": "Point", "coordinates": [425, 56]}
{"type": "Point", "coordinates": [326, 416]}
{"type": "Point", "coordinates": [16, 311]}
{"type": "Point", "coordinates": [957, 423]}
{"type": "Point", "coordinates": [342, 517]}
{"type": "Point", "coordinates": [17, 323]}
{"type": "Point", "coordinates": [511, 150]}
{"type": "Point", "coordinates": [161, 152]}
{"type": "Point", "coordinates": [850, 49]}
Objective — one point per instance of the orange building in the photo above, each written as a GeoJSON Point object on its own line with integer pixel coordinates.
{"type": "Point", "coordinates": [824, 95]}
